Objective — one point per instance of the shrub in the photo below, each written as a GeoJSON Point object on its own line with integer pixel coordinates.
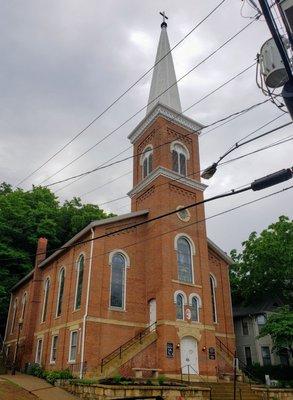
{"type": "Point", "coordinates": [117, 379]}
{"type": "Point", "coordinates": [276, 372]}
{"type": "Point", "coordinates": [52, 376]}
{"type": "Point", "coordinates": [161, 379]}
{"type": "Point", "coordinates": [35, 370]}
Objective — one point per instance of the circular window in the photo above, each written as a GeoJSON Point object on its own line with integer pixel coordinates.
{"type": "Point", "coordinates": [184, 214]}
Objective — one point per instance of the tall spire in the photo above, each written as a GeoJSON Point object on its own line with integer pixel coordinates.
{"type": "Point", "coordinates": [164, 75]}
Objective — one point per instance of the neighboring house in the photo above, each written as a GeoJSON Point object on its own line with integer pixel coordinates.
{"type": "Point", "coordinates": [133, 271]}
{"type": "Point", "coordinates": [248, 322]}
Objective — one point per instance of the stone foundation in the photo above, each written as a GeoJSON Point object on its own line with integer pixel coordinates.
{"type": "Point", "coordinates": [274, 394]}
{"type": "Point", "coordinates": [99, 391]}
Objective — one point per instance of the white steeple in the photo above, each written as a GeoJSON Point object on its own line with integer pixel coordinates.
{"type": "Point", "coordinates": [164, 75]}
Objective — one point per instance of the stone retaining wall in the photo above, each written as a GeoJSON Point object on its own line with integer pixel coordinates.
{"type": "Point", "coordinates": [99, 391]}
{"type": "Point", "coordinates": [274, 394]}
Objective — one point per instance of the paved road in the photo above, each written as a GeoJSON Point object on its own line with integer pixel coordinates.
{"type": "Point", "coordinates": [39, 387]}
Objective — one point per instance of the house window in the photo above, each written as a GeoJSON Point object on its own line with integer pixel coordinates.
{"type": "Point", "coordinates": [147, 161]}
{"type": "Point", "coordinates": [248, 358]}
{"type": "Point", "coordinates": [179, 159]}
{"type": "Point", "coordinates": [213, 298]}
{"type": "Point", "coordinates": [266, 355]}
{"type": "Point", "coordinates": [39, 350]}
{"type": "Point", "coordinates": [60, 292]}
{"type": "Point", "coordinates": [45, 301]}
{"type": "Point", "coordinates": [245, 329]}
{"type": "Point", "coordinates": [118, 266]}
{"type": "Point", "coordinates": [284, 357]}
{"type": "Point", "coordinates": [194, 309]}
{"type": "Point", "coordinates": [73, 346]}
{"type": "Point", "coordinates": [179, 306]}
{"type": "Point", "coordinates": [53, 355]}
{"type": "Point", "coordinates": [14, 311]}
{"type": "Point", "coordinates": [79, 281]}
{"type": "Point", "coordinates": [260, 320]}
{"type": "Point", "coordinates": [184, 260]}
{"type": "Point", "coordinates": [24, 300]}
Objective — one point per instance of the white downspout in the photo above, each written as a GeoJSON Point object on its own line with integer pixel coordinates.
{"type": "Point", "coordinates": [86, 305]}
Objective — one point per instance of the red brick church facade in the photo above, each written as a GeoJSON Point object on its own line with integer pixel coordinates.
{"type": "Point", "coordinates": [81, 303]}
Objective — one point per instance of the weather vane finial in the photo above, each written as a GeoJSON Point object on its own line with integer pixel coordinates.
{"type": "Point", "coordinates": [164, 23]}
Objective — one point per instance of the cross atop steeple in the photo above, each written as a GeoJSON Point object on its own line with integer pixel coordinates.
{"type": "Point", "coordinates": [164, 23]}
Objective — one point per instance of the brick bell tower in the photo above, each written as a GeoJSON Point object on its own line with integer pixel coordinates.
{"type": "Point", "coordinates": [166, 177]}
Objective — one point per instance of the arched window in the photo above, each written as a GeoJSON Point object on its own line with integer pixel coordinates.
{"type": "Point", "coordinates": [184, 260]}
{"type": "Point", "coordinates": [79, 281]}
{"type": "Point", "coordinates": [213, 298]}
{"type": "Point", "coordinates": [24, 300]}
{"type": "Point", "coordinates": [147, 161]}
{"type": "Point", "coordinates": [14, 312]}
{"type": "Point", "coordinates": [179, 306]}
{"type": "Point", "coordinates": [194, 309]}
{"type": "Point", "coordinates": [118, 272]}
{"type": "Point", "coordinates": [60, 291]}
{"type": "Point", "coordinates": [179, 158]}
{"type": "Point", "coordinates": [45, 300]}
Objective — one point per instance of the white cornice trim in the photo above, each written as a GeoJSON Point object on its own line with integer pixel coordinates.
{"type": "Point", "coordinates": [168, 174]}
{"type": "Point", "coordinates": [168, 113]}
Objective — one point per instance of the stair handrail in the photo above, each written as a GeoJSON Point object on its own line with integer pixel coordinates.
{"type": "Point", "coordinates": [126, 345]}
{"type": "Point", "coordinates": [243, 366]}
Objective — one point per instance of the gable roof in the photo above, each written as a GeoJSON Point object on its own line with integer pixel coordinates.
{"type": "Point", "coordinates": [220, 252]}
{"type": "Point", "coordinates": [258, 307]}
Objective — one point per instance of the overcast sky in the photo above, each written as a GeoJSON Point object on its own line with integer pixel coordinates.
{"type": "Point", "coordinates": [63, 62]}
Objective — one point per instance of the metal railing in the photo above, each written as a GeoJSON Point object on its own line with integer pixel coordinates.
{"type": "Point", "coordinates": [125, 346]}
{"type": "Point", "coordinates": [243, 367]}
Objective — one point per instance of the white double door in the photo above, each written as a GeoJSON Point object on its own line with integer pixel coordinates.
{"type": "Point", "coordinates": [189, 355]}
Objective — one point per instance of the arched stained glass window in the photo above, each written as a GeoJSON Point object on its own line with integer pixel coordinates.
{"type": "Point", "coordinates": [184, 260]}
{"type": "Point", "coordinates": [118, 266]}
{"type": "Point", "coordinates": [194, 309]}
{"type": "Point", "coordinates": [213, 298]}
{"type": "Point", "coordinates": [179, 159]}
{"type": "Point", "coordinates": [45, 301]}
{"type": "Point", "coordinates": [14, 312]}
{"type": "Point", "coordinates": [79, 282]}
{"type": "Point", "coordinates": [24, 301]}
{"type": "Point", "coordinates": [179, 306]}
{"type": "Point", "coordinates": [60, 291]}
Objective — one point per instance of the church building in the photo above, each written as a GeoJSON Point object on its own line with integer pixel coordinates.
{"type": "Point", "coordinates": [137, 294]}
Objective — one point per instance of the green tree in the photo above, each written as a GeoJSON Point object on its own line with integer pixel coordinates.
{"type": "Point", "coordinates": [280, 326]}
{"type": "Point", "coordinates": [264, 268]}
{"type": "Point", "coordinates": [24, 217]}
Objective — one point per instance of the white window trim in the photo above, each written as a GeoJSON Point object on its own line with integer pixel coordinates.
{"type": "Point", "coordinates": [183, 294]}
{"type": "Point", "coordinates": [24, 302]}
{"type": "Point", "coordinates": [59, 287]}
{"type": "Point", "coordinates": [14, 311]}
{"type": "Point", "coordinates": [214, 295]}
{"type": "Point", "coordinates": [41, 352]}
{"type": "Point", "coordinates": [199, 302]}
{"type": "Point", "coordinates": [70, 343]}
{"type": "Point", "coordinates": [179, 292]}
{"type": "Point", "coordinates": [148, 148]}
{"type": "Point", "coordinates": [51, 352]}
{"type": "Point", "coordinates": [192, 247]}
{"type": "Point", "coordinates": [77, 278]}
{"type": "Point", "coordinates": [45, 295]}
{"type": "Point", "coordinates": [172, 147]}
{"type": "Point", "coordinates": [127, 265]}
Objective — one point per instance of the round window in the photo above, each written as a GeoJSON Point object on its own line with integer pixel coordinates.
{"type": "Point", "coordinates": [184, 214]}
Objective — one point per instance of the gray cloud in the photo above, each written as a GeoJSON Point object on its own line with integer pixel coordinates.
{"type": "Point", "coordinates": [63, 62]}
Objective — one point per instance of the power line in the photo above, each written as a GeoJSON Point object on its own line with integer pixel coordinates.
{"type": "Point", "coordinates": [234, 115]}
{"type": "Point", "coordinates": [116, 162]}
{"type": "Point", "coordinates": [277, 143]}
{"type": "Point", "coordinates": [189, 224]}
{"type": "Point", "coordinates": [151, 102]}
{"type": "Point", "coordinates": [122, 95]}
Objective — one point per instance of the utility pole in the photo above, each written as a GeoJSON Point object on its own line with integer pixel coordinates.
{"type": "Point", "coordinates": [287, 91]}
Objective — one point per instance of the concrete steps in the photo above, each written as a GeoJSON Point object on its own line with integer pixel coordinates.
{"type": "Point", "coordinates": [225, 391]}
{"type": "Point", "coordinates": [112, 367]}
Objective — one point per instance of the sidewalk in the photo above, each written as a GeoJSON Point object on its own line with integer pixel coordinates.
{"type": "Point", "coordinates": [39, 387]}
